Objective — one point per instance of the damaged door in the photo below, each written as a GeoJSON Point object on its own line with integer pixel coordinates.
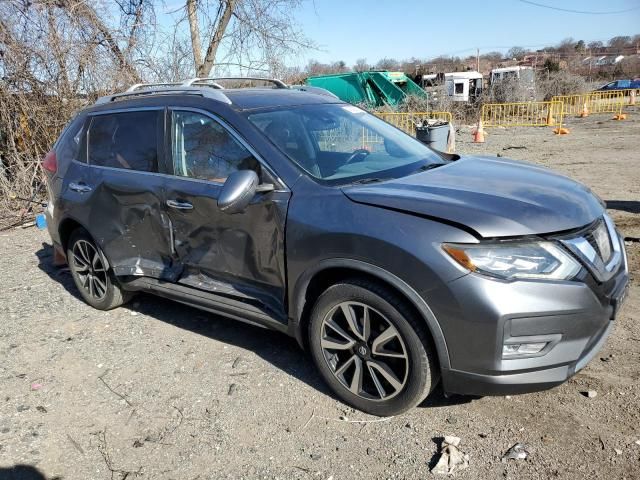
{"type": "Point", "coordinates": [236, 255]}
{"type": "Point", "coordinates": [125, 214]}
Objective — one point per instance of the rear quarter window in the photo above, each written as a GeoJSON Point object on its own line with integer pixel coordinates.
{"type": "Point", "coordinates": [71, 144]}
{"type": "Point", "coordinates": [127, 140]}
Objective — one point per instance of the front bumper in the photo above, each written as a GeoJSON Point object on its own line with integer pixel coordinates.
{"type": "Point", "coordinates": [575, 317]}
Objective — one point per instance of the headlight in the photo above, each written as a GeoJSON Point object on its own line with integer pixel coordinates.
{"type": "Point", "coordinates": [543, 260]}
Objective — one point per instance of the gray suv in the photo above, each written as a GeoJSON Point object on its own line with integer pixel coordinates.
{"type": "Point", "coordinates": [394, 265]}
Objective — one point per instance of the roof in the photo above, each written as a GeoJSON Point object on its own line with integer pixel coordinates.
{"type": "Point", "coordinates": [470, 75]}
{"type": "Point", "coordinates": [238, 98]}
{"type": "Point", "coordinates": [251, 98]}
{"type": "Point", "coordinates": [511, 69]}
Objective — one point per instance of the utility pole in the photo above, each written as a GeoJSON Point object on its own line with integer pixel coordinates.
{"type": "Point", "coordinates": [477, 59]}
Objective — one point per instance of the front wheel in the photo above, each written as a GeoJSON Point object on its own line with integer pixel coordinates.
{"type": "Point", "coordinates": [96, 283]}
{"type": "Point", "coordinates": [371, 349]}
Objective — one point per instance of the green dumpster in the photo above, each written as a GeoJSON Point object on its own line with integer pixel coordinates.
{"type": "Point", "coordinates": [374, 89]}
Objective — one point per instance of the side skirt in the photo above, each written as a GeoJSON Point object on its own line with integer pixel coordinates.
{"type": "Point", "coordinates": [218, 304]}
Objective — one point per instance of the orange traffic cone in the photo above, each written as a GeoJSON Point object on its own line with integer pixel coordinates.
{"type": "Point", "coordinates": [585, 110]}
{"type": "Point", "coordinates": [632, 97]}
{"type": "Point", "coordinates": [478, 133]}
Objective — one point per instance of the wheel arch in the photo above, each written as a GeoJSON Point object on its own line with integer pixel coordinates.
{"type": "Point", "coordinates": [326, 272]}
{"type": "Point", "coordinates": [66, 228]}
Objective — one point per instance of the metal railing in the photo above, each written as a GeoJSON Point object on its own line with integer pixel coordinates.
{"type": "Point", "coordinates": [611, 101]}
{"type": "Point", "coordinates": [408, 121]}
{"type": "Point", "coordinates": [522, 114]}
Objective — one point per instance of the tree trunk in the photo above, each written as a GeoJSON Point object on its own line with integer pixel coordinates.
{"type": "Point", "coordinates": [204, 68]}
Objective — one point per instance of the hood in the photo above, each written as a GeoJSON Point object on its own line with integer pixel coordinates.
{"type": "Point", "coordinates": [492, 196]}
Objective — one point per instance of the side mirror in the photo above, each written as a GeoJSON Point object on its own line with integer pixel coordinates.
{"type": "Point", "coordinates": [237, 191]}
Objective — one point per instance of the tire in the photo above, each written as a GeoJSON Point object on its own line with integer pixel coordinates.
{"type": "Point", "coordinates": [89, 268]}
{"type": "Point", "coordinates": [404, 350]}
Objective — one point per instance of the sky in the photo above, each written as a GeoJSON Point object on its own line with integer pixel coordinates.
{"type": "Point", "coordinates": [372, 29]}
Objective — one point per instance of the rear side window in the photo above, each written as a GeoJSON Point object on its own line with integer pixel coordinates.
{"type": "Point", "coordinates": [127, 140]}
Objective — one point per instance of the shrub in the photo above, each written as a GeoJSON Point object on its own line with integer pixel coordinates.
{"type": "Point", "coordinates": [559, 83]}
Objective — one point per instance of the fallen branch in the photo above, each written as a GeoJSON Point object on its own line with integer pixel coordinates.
{"type": "Point", "coordinates": [114, 392]}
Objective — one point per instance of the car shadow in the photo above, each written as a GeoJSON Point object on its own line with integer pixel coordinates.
{"type": "Point", "coordinates": [22, 472]}
{"type": "Point", "coordinates": [62, 275]}
{"type": "Point", "coordinates": [630, 206]}
{"type": "Point", "coordinates": [274, 347]}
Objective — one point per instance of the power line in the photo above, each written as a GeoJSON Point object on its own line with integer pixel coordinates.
{"type": "Point", "coordinates": [579, 11]}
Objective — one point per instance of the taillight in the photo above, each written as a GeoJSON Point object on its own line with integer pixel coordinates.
{"type": "Point", "coordinates": [50, 163]}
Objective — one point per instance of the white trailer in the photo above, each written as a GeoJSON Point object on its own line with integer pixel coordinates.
{"type": "Point", "coordinates": [463, 86]}
{"type": "Point", "coordinates": [525, 75]}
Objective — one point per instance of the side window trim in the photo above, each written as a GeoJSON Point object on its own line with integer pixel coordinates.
{"type": "Point", "coordinates": [160, 143]}
{"type": "Point", "coordinates": [281, 186]}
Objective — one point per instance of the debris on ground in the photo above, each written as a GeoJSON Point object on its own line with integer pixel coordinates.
{"type": "Point", "coordinates": [590, 393]}
{"type": "Point", "coordinates": [451, 458]}
{"type": "Point", "coordinates": [618, 451]}
{"type": "Point", "coordinates": [517, 452]}
{"type": "Point", "coordinates": [514, 147]}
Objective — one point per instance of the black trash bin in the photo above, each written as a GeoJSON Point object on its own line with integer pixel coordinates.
{"type": "Point", "coordinates": [436, 135]}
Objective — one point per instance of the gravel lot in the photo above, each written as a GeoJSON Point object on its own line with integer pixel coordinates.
{"type": "Point", "coordinates": [158, 390]}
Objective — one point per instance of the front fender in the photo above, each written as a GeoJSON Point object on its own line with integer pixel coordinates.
{"type": "Point", "coordinates": [297, 303]}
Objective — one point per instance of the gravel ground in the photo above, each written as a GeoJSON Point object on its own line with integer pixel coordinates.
{"type": "Point", "coordinates": [158, 390]}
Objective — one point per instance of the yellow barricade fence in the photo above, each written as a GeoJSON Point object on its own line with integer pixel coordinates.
{"type": "Point", "coordinates": [522, 114]}
{"type": "Point", "coordinates": [610, 101]}
{"type": "Point", "coordinates": [407, 121]}
{"type": "Point", "coordinates": [606, 102]}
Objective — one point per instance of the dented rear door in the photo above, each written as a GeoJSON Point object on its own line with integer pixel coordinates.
{"type": "Point", "coordinates": [119, 193]}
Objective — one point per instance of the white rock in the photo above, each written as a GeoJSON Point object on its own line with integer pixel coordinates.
{"type": "Point", "coordinates": [451, 440]}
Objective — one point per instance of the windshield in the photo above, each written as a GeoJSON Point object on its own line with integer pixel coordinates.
{"type": "Point", "coordinates": [338, 143]}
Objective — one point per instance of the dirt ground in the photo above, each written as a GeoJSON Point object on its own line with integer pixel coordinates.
{"type": "Point", "coordinates": [157, 390]}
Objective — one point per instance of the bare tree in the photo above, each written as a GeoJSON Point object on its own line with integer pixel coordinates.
{"type": "Point", "coordinates": [361, 65]}
{"type": "Point", "coordinates": [250, 34]}
{"type": "Point", "coordinates": [54, 57]}
{"type": "Point", "coordinates": [388, 64]}
{"type": "Point", "coordinates": [515, 53]}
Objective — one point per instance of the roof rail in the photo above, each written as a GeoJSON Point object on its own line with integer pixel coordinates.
{"type": "Point", "coordinates": [275, 81]}
{"type": "Point", "coordinates": [138, 86]}
{"type": "Point", "coordinates": [213, 93]}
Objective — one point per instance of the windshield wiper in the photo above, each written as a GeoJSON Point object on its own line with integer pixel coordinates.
{"type": "Point", "coordinates": [368, 180]}
{"type": "Point", "coordinates": [430, 166]}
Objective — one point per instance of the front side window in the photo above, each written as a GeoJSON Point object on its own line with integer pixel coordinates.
{"type": "Point", "coordinates": [338, 143]}
{"type": "Point", "coordinates": [202, 148]}
{"type": "Point", "coordinates": [127, 140]}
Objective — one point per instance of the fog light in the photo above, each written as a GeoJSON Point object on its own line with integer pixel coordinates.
{"type": "Point", "coordinates": [513, 349]}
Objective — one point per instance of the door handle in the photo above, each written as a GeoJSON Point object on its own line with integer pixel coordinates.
{"type": "Point", "coordinates": [179, 205]}
{"type": "Point", "coordinates": [80, 187]}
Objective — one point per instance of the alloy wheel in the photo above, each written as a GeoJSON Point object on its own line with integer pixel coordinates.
{"type": "Point", "coordinates": [364, 351]}
{"type": "Point", "coordinates": [90, 269]}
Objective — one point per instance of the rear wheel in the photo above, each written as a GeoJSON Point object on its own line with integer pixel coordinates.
{"type": "Point", "coordinates": [370, 348]}
{"type": "Point", "coordinates": [89, 269]}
